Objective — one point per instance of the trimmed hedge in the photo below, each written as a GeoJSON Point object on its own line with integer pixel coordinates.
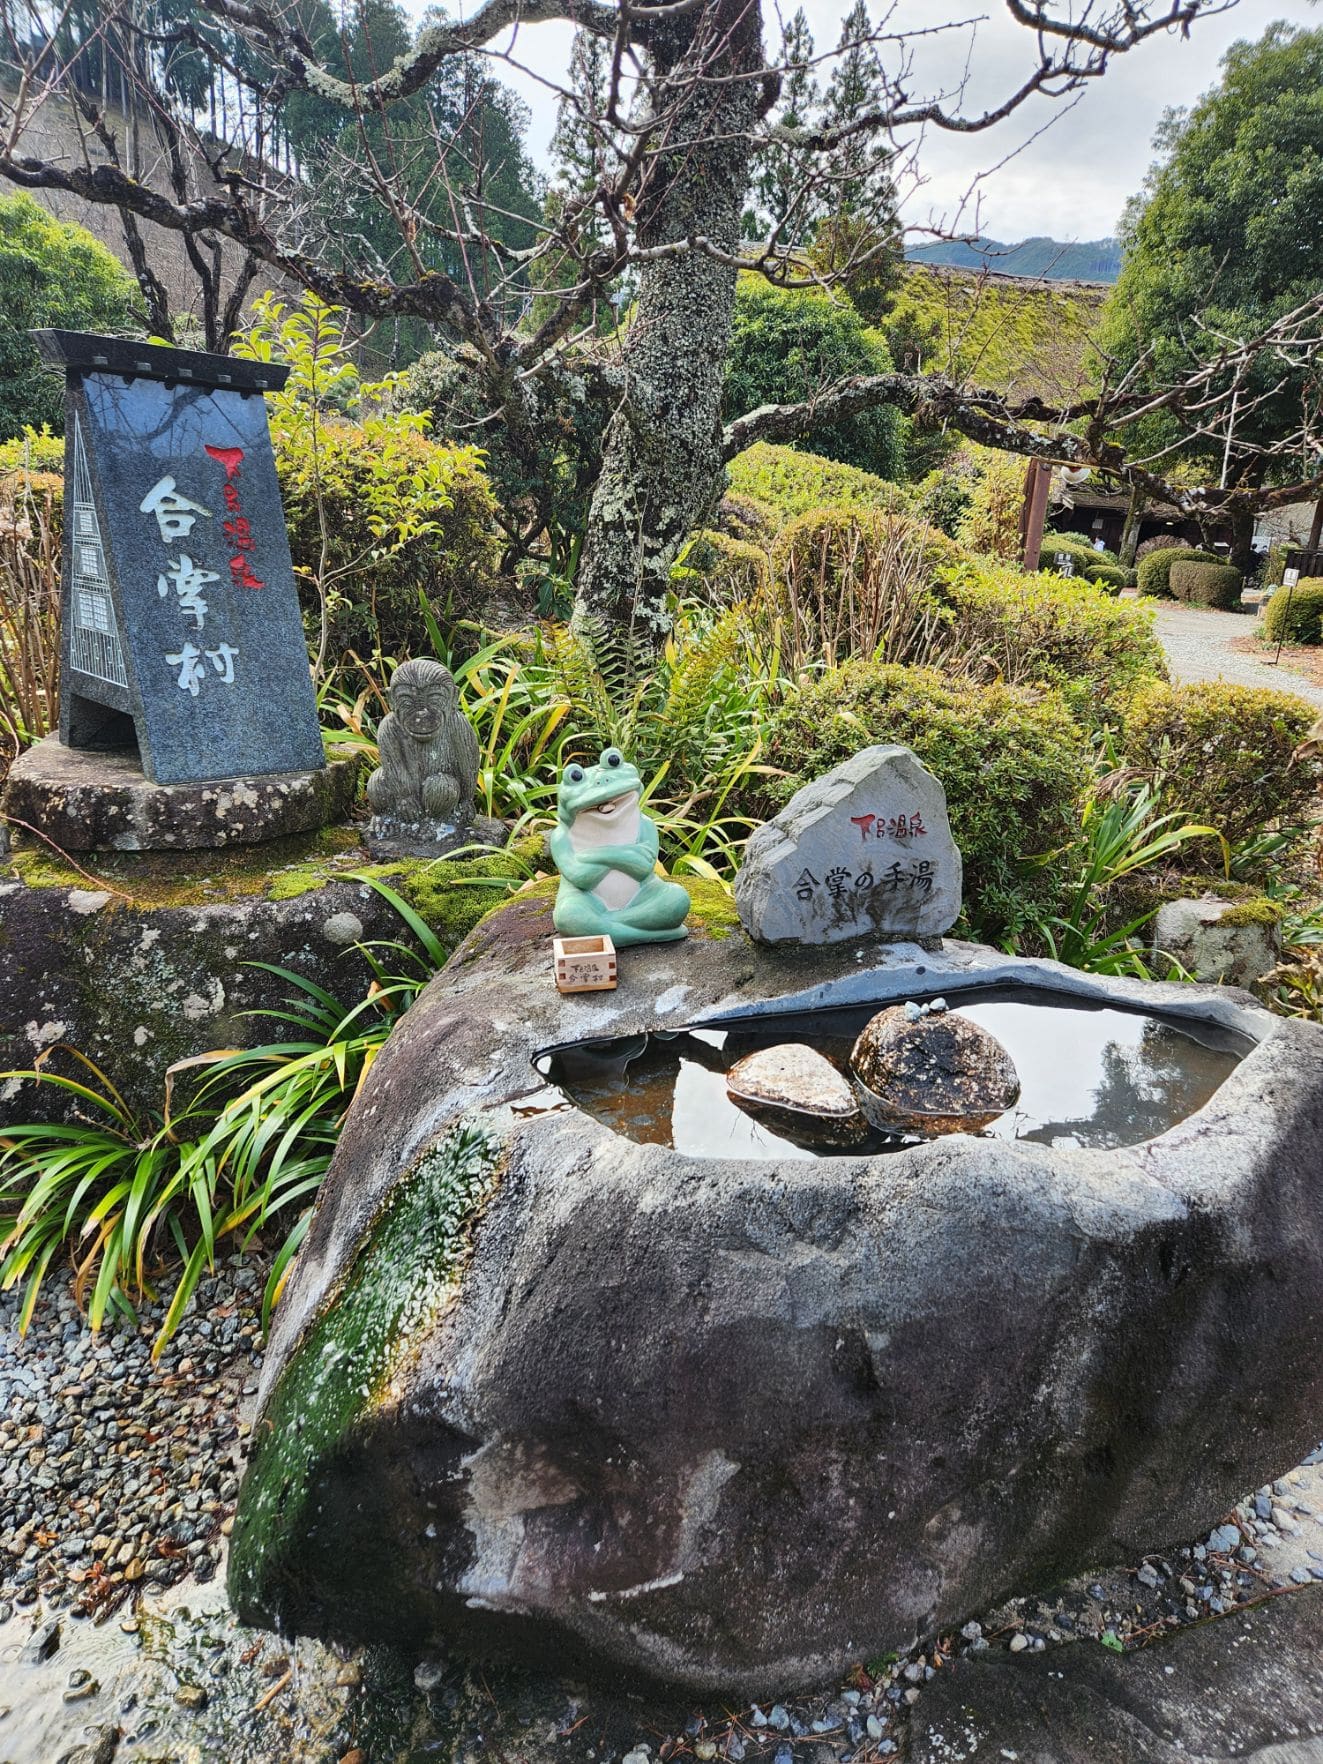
{"type": "Point", "coordinates": [1012, 760]}
{"type": "Point", "coordinates": [722, 569]}
{"type": "Point", "coordinates": [1057, 631]}
{"type": "Point", "coordinates": [1224, 753]}
{"type": "Point", "coordinates": [1154, 571]}
{"type": "Point", "coordinates": [1205, 584]}
{"type": "Point", "coordinates": [1296, 615]}
{"type": "Point", "coordinates": [1078, 546]}
{"type": "Point", "coordinates": [792, 482]}
{"type": "Point", "coordinates": [1111, 578]}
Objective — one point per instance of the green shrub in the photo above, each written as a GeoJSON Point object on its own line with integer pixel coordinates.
{"type": "Point", "coordinates": [721, 569]}
{"type": "Point", "coordinates": [1154, 570]}
{"type": "Point", "coordinates": [1056, 631]}
{"type": "Point", "coordinates": [1223, 753]}
{"type": "Point", "coordinates": [786, 344]}
{"type": "Point", "coordinates": [1205, 584]}
{"type": "Point", "coordinates": [1012, 761]}
{"type": "Point", "coordinates": [1295, 615]}
{"type": "Point", "coordinates": [51, 273]}
{"type": "Point", "coordinates": [35, 450]}
{"type": "Point", "coordinates": [792, 483]}
{"type": "Point", "coordinates": [745, 517]}
{"type": "Point", "coordinates": [991, 522]}
{"type": "Point", "coordinates": [1111, 578]}
{"type": "Point", "coordinates": [1078, 545]}
{"type": "Point", "coordinates": [380, 517]}
{"type": "Point", "coordinates": [447, 552]}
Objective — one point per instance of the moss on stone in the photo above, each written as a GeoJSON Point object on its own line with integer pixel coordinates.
{"type": "Point", "coordinates": [196, 878]}
{"type": "Point", "coordinates": [405, 1272]}
{"type": "Point", "coordinates": [452, 894]}
{"type": "Point", "coordinates": [713, 910]}
{"type": "Point", "coordinates": [1258, 911]}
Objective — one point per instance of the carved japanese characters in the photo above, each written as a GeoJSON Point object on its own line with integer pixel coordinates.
{"type": "Point", "coordinates": [605, 848]}
{"type": "Point", "coordinates": [864, 851]}
{"type": "Point", "coordinates": [429, 753]}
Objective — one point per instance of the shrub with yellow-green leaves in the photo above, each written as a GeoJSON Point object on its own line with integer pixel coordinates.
{"type": "Point", "coordinates": [1223, 754]}
{"type": "Point", "coordinates": [790, 482]}
{"type": "Point", "coordinates": [721, 570]}
{"type": "Point", "coordinates": [1057, 631]}
{"type": "Point", "coordinates": [1012, 760]}
{"type": "Point", "coordinates": [381, 514]}
{"type": "Point", "coordinates": [1295, 615]}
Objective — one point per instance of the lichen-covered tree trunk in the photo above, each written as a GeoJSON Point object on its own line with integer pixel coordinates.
{"type": "Point", "coordinates": [661, 453]}
{"type": "Point", "coordinates": [1134, 524]}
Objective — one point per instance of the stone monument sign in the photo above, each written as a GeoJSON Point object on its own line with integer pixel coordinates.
{"type": "Point", "coordinates": [864, 851]}
{"type": "Point", "coordinates": [180, 618]}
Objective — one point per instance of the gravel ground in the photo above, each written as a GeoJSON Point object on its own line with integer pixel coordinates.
{"type": "Point", "coordinates": [116, 1473]}
{"type": "Point", "coordinates": [117, 1485]}
{"type": "Point", "coordinates": [1198, 646]}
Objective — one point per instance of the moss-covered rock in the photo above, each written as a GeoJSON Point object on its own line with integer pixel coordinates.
{"type": "Point", "coordinates": [321, 1414]}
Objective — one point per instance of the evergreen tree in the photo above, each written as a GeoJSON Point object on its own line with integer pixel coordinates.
{"type": "Point", "coordinates": [781, 195]}
{"type": "Point", "coordinates": [859, 169]}
{"type": "Point", "coordinates": [859, 239]}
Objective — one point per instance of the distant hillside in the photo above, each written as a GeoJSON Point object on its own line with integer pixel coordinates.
{"type": "Point", "coordinates": [1097, 261]}
{"type": "Point", "coordinates": [1021, 338]}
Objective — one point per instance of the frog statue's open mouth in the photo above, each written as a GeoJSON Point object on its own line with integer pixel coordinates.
{"type": "Point", "coordinates": [613, 806]}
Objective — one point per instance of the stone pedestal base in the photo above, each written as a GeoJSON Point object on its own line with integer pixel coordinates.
{"type": "Point", "coordinates": [388, 839]}
{"type": "Point", "coordinates": [87, 801]}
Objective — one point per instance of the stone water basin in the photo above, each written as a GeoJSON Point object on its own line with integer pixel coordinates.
{"type": "Point", "coordinates": [1091, 1074]}
{"type": "Point", "coordinates": [731, 1417]}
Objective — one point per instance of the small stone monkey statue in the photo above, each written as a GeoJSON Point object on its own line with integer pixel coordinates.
{"type": "Point", "coordinates": [429, 753]}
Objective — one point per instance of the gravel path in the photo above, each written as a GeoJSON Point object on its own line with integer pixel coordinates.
{"type": "Point", "coordinates": [1198, 646]}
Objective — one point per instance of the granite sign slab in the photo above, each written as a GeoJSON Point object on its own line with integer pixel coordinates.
{"type": "Point", "coordinates": [864, 851]}
{"type": "Point", "coordinates": [180, 618]}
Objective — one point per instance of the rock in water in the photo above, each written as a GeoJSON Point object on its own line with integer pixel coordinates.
{"type": "Point", "coordinates": [935, 1074]}
{"type": "Point", "coordinates": [799, 1093]}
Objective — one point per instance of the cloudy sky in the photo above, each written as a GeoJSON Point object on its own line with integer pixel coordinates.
{"type": "Point", "coordinates": [1072, 181]}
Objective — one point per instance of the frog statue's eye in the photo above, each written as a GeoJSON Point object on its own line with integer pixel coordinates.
{"type": "Point", "coordinates": [613, 757]}
{"type": "Point", "coordinates": [574, 774]}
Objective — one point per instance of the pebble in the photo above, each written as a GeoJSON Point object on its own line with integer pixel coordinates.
{"type": "Point", "coordinates": [875, 1728]}
{"type": "Point", "coordinates": [639, 1755]}
{"type": "Point", "coordinates": [191, 1696]}
{"type": "Point", "coordinates": [1148, 1576]}
{"type": "Point", "coordinates": [427, 1675]}
{"type": "Point", "coordinates": [778, 1718]}
{"type": "Point", "coordinates": [1225, 1539]}
{"type": "Point", "coordinates": [42, 1643]}
{"type": "Point", "coordinates": [111, 1451]}
{"type": "Point", "coordinates": [1019, 1643]}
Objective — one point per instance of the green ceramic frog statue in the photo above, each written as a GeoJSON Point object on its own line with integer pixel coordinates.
{"type": "Point", "coordinates": [605, 848]}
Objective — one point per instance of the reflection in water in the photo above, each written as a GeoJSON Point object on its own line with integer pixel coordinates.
{"type": "Point", "coordinates": [1089, 1076]}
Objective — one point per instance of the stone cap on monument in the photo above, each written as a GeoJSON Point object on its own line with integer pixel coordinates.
{"type": "Point", "coordinates": [864, 851]}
